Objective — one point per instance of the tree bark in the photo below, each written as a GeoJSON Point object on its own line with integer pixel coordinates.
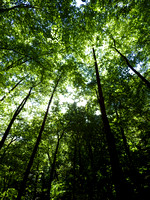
{"type": "Point", "coordinates": [91, 179]}
{"type": "Point", "coordinates": [53, 168]}
{"type": "Point", "coordinates": [132, 68]}
{"type": "Point", "coordinates": [74, 173]}
{"type": "Point", "coordinates": [134, 174]}
{"type": "Point", "coordinates": [23, 184]}
{"type": "Point", "coordinates": [126, 146]}
{"type": "Point", "coordinates": [117, 175]}
{"type": "Point", "coordinates": [20, 107]}
{"type": "Point", "coordinates": [36, 182]}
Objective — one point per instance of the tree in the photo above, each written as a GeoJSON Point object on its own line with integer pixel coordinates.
{"type": "Point", "coordinates": [117, 174]}
{"type": "Point", "coordinates": [11, 89]}
{"type": "Point", "coordinates": [128, 63]}
{"type": "Point", "coordinates": [21, 190]}
{"type": "Point", "coordinates": [18, 110]}
{"type": "Point", "coordinates": [45, 39]}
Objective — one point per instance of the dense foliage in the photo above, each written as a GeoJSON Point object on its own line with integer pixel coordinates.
{"type": "Point", "coordinates": [74, 99]}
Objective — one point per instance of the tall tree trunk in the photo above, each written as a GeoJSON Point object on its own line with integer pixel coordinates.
{"type": "Point", "coordinates": [23, 184]}
{"type": "Point", "coordinates": [91, 178]}
{"type": "Point", "coordinates": [117, 174]}
{"type": "Point", "coordinates": [74, 173]}
{"type": "Point", "coordinates": [20, 107]}
{"type": "Point", "coordinates": [53, 167]}
{"type": "Point", "coordinates": [36, 183]}
{"type": "Point", "coordinates": [133, 69]}
{"type": "Point", "coordinates": [134, 174]}
{"type": "Point", "coordinates": [5, 150]}
{"type": "Point", "coordinates": [126, 146]}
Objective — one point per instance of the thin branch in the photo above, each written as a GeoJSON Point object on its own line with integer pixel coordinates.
{"type": "Point", "coordinates": [12, 65]}
{"type": "Point", "coordinates": [12, 89]}
{"type": "Point", "coordinates": [2, 10]}
{"type": "Point", "coordinates": [30, 58]}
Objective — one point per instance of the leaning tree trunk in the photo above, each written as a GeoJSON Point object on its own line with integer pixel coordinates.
{"type": "Point", "coordinates": [133, 69]}
{"type": "Point", "coordinates": [117, 174]}
{"type": "Point", "coordinates": [20, 107]}
{"type": "Point", "coordinates": [23, 184]}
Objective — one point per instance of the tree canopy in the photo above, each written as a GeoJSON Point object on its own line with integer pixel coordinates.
{"type": "Point", "coordinates": [74, 99]}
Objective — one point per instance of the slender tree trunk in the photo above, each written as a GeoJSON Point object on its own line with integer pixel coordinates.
{"type": "Point", "coordinates": [36, 182]}
{"type": "Point", "coordinates": [81, 164]}
{"type": "Point", "coordinates": [4, 152]}
{"type": "Point", "coordinates": [11, 90]}
{"type": "Point", "coordinates": [74, 173]}
{"type": "Point", "coordinates": [53, 168]}
{"type": "Point", "coordinates": [117, 175]}
{"type": "Point", "coordinates": [134, 174]}
{"type": "Point", "coordinates": [91, 178]}
{"type": "Point", "coordinates": [132, 68]}
{"type": "Point", "coordinates": [20, 107]}
{"type": "Point", "coordinates": [23, 184]}
{"type": "Point", "coordinates": [126, 146]}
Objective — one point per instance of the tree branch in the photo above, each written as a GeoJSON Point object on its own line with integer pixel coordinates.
{"type": "Point", "coordinates": [30, 58]}
{"type": "Point", "coordinates": [16, 62]}
{"type": "Point", "coordinates": [130, 66]}
{"type": "Point", "coordinates": [2, 10]}
{"type": "Point", "coordinates": [12, 89]}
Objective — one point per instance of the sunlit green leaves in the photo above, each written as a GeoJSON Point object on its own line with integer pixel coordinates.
{"type": "Point", "coordinates": [41, 40]}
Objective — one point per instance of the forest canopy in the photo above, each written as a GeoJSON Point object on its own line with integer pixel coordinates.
{"type": "Point", "coordinates": [74, 100]}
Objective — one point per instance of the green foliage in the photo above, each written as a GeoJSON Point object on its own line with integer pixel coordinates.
{"type": "Point", "coordinates": [41, 40]}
